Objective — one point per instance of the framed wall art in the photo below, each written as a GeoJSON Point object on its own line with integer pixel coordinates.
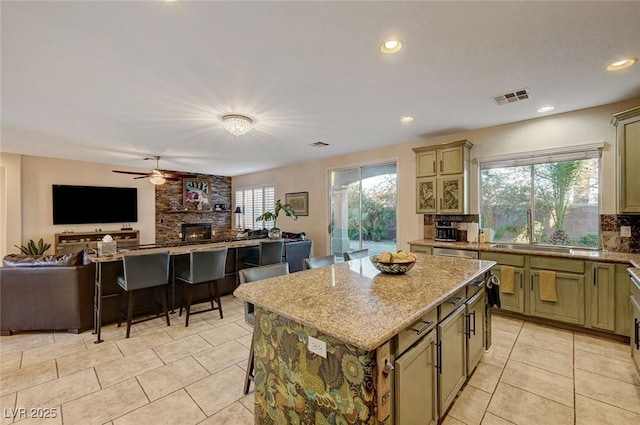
{"type": "Point", "coordinates": [299, 201]}
{"type": "Point", "coordinates": [196, 191]}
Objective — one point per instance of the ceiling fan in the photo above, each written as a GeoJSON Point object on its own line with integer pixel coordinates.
{"type": "Point", "coordinates": [156, 176]}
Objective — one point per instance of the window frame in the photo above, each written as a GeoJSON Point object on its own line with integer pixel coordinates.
{"type": "Point", "coordinates": [242, 220]}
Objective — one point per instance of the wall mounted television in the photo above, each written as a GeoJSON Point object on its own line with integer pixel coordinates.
{"type": "Point", "coordinates": [94, 204]}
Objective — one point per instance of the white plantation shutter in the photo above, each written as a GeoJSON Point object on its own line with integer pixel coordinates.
{"type": "Point", "coordinates": [255, 201]}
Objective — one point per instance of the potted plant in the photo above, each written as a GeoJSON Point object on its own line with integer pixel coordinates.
{"type": "Point", "coordinates": [275, 232]}
{"type": "Point", "coordinates": [34, 249]}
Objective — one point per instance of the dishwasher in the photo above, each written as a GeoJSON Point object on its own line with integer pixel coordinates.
{"type": "Point", "coordinates": [448, 252]}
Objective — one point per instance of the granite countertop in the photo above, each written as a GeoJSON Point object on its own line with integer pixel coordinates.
{"type": "Point", "coordinates": [356, 303]}
{"type": "Point", "coordinates": [578, 254]}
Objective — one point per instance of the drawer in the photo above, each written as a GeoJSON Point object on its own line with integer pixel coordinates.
{"type": "Point", "coordinates": [453, 302]}
{"type": "Point", "coordinates": [557, 264]}
{"type": "Point", "coordinates": [409, 336]}
{"type": "Point", "coordinates": [475, 287]}
{"type": "Point", "coordinates": [635, 288]}
{"type": "Point", "coordinates": [505, 259]}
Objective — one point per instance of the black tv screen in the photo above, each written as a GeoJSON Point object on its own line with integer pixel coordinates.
{"type": "Point", "coordinates": [94, 204]}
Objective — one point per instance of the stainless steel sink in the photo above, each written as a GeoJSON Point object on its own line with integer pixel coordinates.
{"type": "Point", "coordinates": [545, 248]}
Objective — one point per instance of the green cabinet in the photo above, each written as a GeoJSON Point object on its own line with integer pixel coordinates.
{"type": "Point", "coordinates": [634, 290]}
{"type": "Point", "coordinates": [602, 295]}
{"type": "Point", "coordinates": [475, 328]}
{"type": "Point", "coordinates": [622, 306]}
{"type": "Point", "coordinates": [421, 248]}
{"type": "Point", "coordinates": [452, 358]}
{"type": "Point", "coordinates": [442, 173]}
{"type": "Point", "coordinates": [627, 125]}
{"type": "Point", "coordinates": [570, 305]}
{"type": "Point", "coordinates": [510, 302]}
{"type": "Point", "coordinates": [415, 384]}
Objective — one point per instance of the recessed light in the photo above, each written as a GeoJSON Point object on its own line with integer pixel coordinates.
{"type": "Point", "coordinates": [621, 64]}
{"type": "Point", "coordinates": [406, 119]}
{"type": "Point", "coordinates": [546, 109]}
{"type": "Point", "coordinates": [390, 47]}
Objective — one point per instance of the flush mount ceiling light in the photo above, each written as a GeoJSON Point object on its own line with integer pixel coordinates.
{"type": "Point", "coordinates": [406, 119]}
{"type": "Point", "coordinates": [390, 47]}
{"type": "Point", "coordinates": [546, 109]}
{"type": "Point", "coordinates": [621, 64]}
{"type": "Point", "coordinates": [236, 124]}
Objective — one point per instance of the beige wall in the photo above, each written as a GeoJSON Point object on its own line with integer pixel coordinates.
{"type": "Point", "coordinates": [573, 128]}
{"type": "Point", "coordinates": [39, 173]}
{"type": "Point", "coordinates": [10, 205]}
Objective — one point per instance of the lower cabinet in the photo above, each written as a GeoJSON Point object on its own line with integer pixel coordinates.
{"type": "Point", "coordinates": [415, 384]}
{"type": "Point", "coordinates": [452, 357]}
{"type": "Point", "coordinates": [509, 301]}
{"type": "Point", "coordinates": [602, 294]}
{"type": "Point", "coordinates": [475, 329]}
{"type": "Point", "coordinates": [570, 305]}
{"type": "Point", "coordinates": [635, 322]}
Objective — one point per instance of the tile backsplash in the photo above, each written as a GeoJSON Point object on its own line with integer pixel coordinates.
{"type": "Point", "coordinates": [610, 224]}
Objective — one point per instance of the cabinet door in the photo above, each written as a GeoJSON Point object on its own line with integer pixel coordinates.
{"type": "Point", "coordinates": [421, 248]}
{"type": "Point", "coordinates": [570, 305]}
{"type": "Point", "coordinates": [426, 164]}
{"type": "Point", "coordinates": [602, 294]}
{"type": "Point", "coordinates": [426, 195]}
{"type": "Point", "coordinates": [451, 195]}
{"type": "Point", "coordinates": [415, 384]}
{"type": "Point", "coordinates": [475, 330]}
{"type": "Point", "coordinates": [451, 161]}
{"type": "Point", "coordinates": [635, 333]}
{"type": "Point", "coordinates": [628, 140]}
{"type": "Point", "coordinates": [512, 302]}
{"type": "Point", "coordinates": [452, 358]}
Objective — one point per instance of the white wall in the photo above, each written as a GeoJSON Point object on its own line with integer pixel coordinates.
{"type": "Point", "coordinates": [39, 173]}
{"type": "Point", "coordinates": [568, 129]}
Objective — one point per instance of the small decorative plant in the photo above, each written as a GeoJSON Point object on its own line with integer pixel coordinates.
{"type": "Point", "coordinates": [274, 232]}
{"type": "Point", "coordinates": [34, 249]}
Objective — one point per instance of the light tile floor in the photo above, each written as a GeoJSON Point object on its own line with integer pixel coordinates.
{"type": "Point", "coordinates": [177, 375]}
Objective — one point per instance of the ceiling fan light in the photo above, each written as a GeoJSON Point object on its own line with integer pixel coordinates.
{"type": "Point", "coordinates": [157, 180]}
{"type": "Point", "coordinates": [238, 125]}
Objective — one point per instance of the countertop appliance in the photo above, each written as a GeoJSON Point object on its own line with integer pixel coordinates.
{"type": "Point", "coordinates": [446, 231]}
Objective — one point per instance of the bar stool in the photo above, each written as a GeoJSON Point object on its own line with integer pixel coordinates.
{"type": "Point", "coordinates": [251, 275]}
{"type": "Point", "coordinates": [354, 255]}
{"type": "Point", "coordinates": [269, 252]}
{"type": "Point", "coordinates": [315, 262]}
{"type": "Point", "coordinates": [143, 271]}
{"type": "Point", "coordinates": [205, 267]}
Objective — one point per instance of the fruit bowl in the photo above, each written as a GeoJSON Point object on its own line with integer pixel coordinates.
{"type": "Point", "coordinates": [391, 268]}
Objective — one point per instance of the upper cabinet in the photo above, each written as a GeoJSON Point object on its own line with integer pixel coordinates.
{"type": "Point", "coordinates": [442, 173]}
{"type": "Point", "coordinates": [628, 141]}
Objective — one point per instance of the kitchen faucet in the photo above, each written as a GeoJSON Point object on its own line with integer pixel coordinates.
{"type": "Point", "coordinates": [530, 226]}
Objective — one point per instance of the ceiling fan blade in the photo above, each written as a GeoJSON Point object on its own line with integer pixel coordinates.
{"type": "Point", "coordinates": [177, 175]}
{"type": "Point", "coordinates": [142, 177]}
{"type": "Point", "coordinates": [136, 173]}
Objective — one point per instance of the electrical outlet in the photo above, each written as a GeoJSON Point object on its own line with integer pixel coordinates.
{"type": "Point", "coordinates": [317, 347]}
{"type": "Point", "coordinates": [625, 231]}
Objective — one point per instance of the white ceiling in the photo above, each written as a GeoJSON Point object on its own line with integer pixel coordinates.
{"type": "Point", "coordinates": [116, 81]}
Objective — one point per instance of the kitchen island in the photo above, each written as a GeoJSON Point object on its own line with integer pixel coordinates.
{"type": "Point", "coordinates": [356, 318]}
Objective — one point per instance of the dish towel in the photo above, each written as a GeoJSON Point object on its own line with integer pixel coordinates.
{"type": "Point", "coordinates": [548, 290]}
{"type": "Point", "coordinates": [507, 280]}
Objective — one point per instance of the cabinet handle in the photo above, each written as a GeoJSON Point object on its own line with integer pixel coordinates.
{"type": "Point", "coordinates": [439, 357]}
{"type": "Point", "coordinates": [455, 303]}
{"type": "Point", "coordinates": [440, 203]}
{"type": "Point", "coordinates": [422, 329]}
{"type": "Point", "coordinates": [441, 166]}
{"type": "Point", "coordinates": [467, 330]}
{"type": "Point", "coordinates": [531, 279]}
{"type": "Point", "coordinates": [637, 332]}
{"type": "Point", "coordinates": [474, 322]}
{"type": "Point", "coordinates": [595, 277]}
{"type": "Point", "coordinates": [521, 279]}
{"type": "Point", "coordinates": [434, 167]}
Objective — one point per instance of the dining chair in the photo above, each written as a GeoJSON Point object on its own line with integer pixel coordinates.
{"type": "Point", "coordinates": [205, 267]}
{"type": "Point", "coordinates": [315, 262]}
{"type": "Point", "coordinates": [251, 275]}
{"type": "Point", "coordinates": [144, 271]}
{"type": "Point", "coordinates": [354, 255]}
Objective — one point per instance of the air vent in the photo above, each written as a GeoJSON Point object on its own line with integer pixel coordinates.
{"type": "Point", "coordinates": [319, 144]}
{"type": "Point", "coordinates": [511, 97]}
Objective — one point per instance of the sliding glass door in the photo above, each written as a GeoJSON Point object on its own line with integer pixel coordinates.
{"type": "Point", "coordinates": [363, 208]}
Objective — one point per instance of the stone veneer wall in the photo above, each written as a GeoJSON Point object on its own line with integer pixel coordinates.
{"type": "Point", "coordinates": [610, 239]}
{"type": "Point", "coordinates": [169, 223]}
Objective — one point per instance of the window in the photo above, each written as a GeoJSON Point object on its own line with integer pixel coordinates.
{"type": "Point", "coordinates": [547, 198]}
{"type": "Point", "coordinates": [255, 201]}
